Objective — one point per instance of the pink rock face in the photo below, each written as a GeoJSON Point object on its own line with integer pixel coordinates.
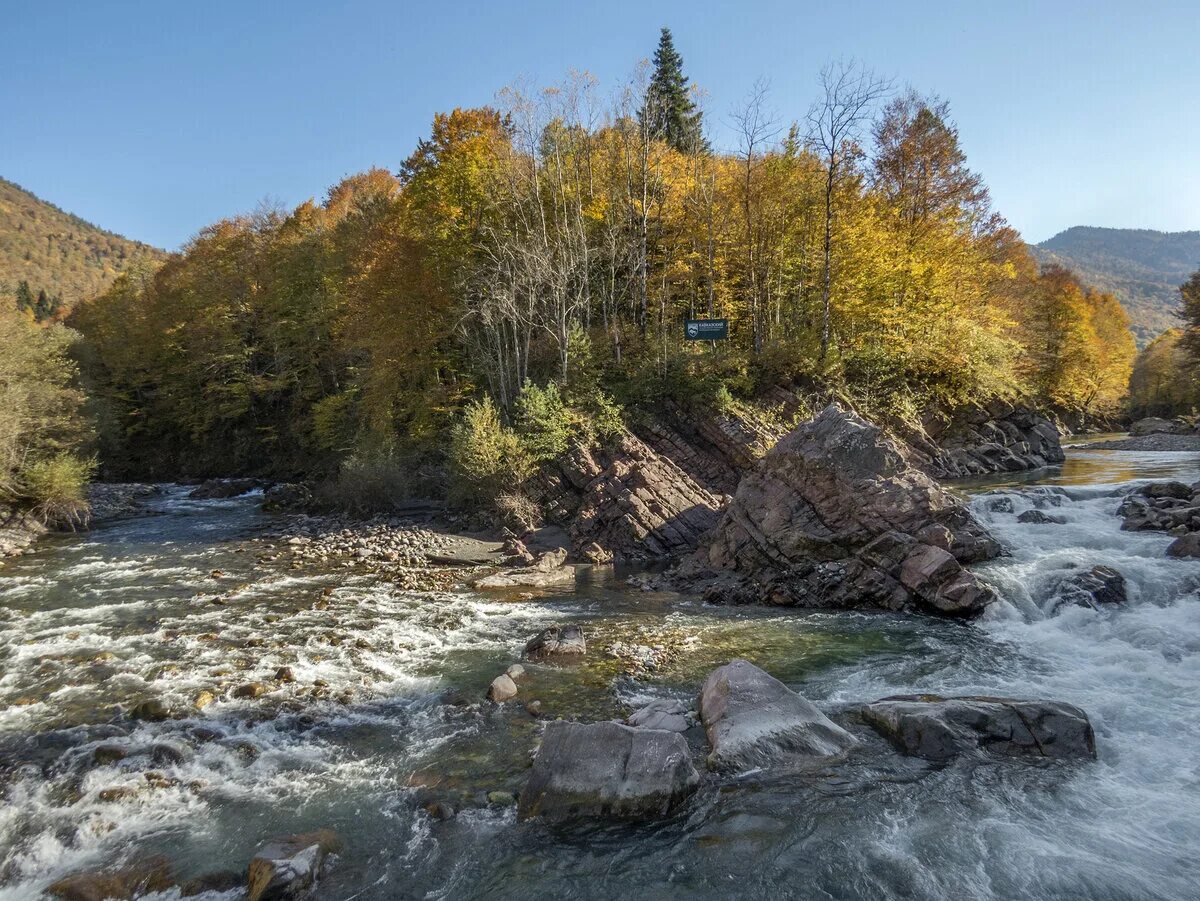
{"type": "Point", "coordinates": [835, 515]}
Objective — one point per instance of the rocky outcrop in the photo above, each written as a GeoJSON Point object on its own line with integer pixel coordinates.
{"type": "Point", "coordinates": [752, 718]}
{"type": "Point", "coordinates": [1168, 506]}
{"type": "Point", "coordinates": [18, 531]}
{"type": "Point", "coordinates": [938, 728]}
{"type": "Point", "coordinates": [607, 769]}
{"type": "Point", "coordinates": [999, 437]}
{"type": "Point", "coordinates": [835, 515]}
{"type": "Point", "coordinates": [119, 500]}
{"type": "Point", "coordinates": [288, 866]}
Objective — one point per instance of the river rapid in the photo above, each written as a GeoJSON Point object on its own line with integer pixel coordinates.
{"type": "Point", "coordinates": [387, 711]}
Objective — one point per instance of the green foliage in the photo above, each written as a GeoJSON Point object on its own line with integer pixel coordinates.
{"type": "Point", "coordinates": [41, 426]}
{"type": "Point", "coordinates": [1164, 380]}
{"type": "Point", "coordinates": [668, 113]}
{"type": "Point", "coordinates": [544, 424]}
{"type": "Point", "coordinates": [487, 458]}
{"type": "Point", "coordinates": [55, 487]}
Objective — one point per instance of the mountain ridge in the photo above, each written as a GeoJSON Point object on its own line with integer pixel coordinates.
{"type": "Point", "coordinates": [1143, 267]}
{"type": "Point", "coordinates": [58, 253]}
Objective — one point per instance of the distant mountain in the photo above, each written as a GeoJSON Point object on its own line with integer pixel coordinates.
{"type": "Point", "coordinates": [1143, 268]}
{"type": "Point", "coordinates": [58, 254]}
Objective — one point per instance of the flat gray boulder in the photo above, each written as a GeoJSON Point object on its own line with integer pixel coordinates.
{"type": "Point", "coordinates": [607, 770]}
{"type": "Point", "coordinates": [938, 728]}
{"type": "Point", "coordinates": [289, 866]}
{"type": "Point", "coordinates": [752, 718]}
{"type": "Point", "coordinates": [667, 715]}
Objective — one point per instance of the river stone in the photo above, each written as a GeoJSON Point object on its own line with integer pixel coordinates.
{"type": "Point", "coordinates": [557, 643]}
{"type": "Point", "coordinates": [1099, 585]}
{"type": "Point", "coordinates": [1185, 546]}
{"type": "Point", "coordinates": [938, 728]}
{"type": "Point", "coordinates": [607, 769]}
{"type": "Point", "coordinates": [142, 877]}
{"type": "Point", "coordinates": [1167, 489]}
{"type": "Point", "coordinates": [251, 690]}
{"type": "Point", "coordinates": [751, 717]}
{"type": "Point", "coordinates": [288, 866]}
{"type": "Point", "coordinates": [153, 710]}
{"type": "Point", "coordinates": [502, 689]}
{"type": "Point", "coordinates": [667, 715]}
{"type": "Point", "coordinates": [1038, 518]}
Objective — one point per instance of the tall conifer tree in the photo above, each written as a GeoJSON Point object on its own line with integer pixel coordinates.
{"type": "Point", "coordinates": [668, 112]}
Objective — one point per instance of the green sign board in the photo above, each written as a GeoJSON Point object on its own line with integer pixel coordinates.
{"type": "Point", "coordinates": [706, 329]}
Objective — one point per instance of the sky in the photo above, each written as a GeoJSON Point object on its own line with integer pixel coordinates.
{"type": "Point", "coordinates": [155, 119]}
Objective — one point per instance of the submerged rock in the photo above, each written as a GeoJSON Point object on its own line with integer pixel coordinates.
{"type": "Point", "coordinates": [751, 718]}
{"type": "Point", "coordinates": [288, 866]}
{"type": "Point", "coordinates": [836, 516]}
{"type": "Point", "coordinates": [607, 769]}
{"type": "Point", "coordinates": [142, 877]}
{"type": "Point", "coordinates": [938, 728]}
{"type": "Point", "coordinates": [557, 644]}
{"type": "Point", "coordinates": [219, 489]}
{"type": "Point", "coordinates": [1185, 546]}
{"type": "Point", "coordinates": [153, 710]}
{"type": "Point", "coordinates": [1038, 518]}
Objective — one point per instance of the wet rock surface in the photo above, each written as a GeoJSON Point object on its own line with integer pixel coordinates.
{"type": "Point", "coordinates": [939, 728]}
{"type": "Point", "coordinates": [607, 770]}
{"type": "Point", "coordinates": [1099, 586]}
{"type": "Point", "coordinates": [752, 719]}
{"type": "Point", "coordinates": [288, 866]}
{"type": "Point", "coordinates": [1165, 506]}
{"type": "Point", "coordinates": [557, 644]}
{"type": "Point", "coordinates": [835, 515]}
{"type": "Point", "coordinates": [126, 882]}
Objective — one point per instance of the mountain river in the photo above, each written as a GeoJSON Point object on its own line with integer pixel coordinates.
{"type": "Point", "coordinates": [387, 710]}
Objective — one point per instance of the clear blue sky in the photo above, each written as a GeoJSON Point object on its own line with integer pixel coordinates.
{"type": "Point", "coordinates": [154, 119]}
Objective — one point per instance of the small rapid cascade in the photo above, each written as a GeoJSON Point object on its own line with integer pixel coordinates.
{"type": "Point", "coordinates": [384, 709]}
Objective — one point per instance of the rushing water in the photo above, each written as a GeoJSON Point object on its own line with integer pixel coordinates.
{"type": "Point", "coordinates": [169, 605]}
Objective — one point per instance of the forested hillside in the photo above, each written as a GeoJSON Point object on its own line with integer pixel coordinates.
{"type": "Point", "coordinates": [50, 260]}
{"type": "Point", "coordinates": [1143, 268]}
{"type": "Point", "coordinates": [523, 280]}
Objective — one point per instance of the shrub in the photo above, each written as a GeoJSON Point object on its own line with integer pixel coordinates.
{"type": "Point", "coordinates": [486, 458]}
{"type": "Point", "coordinates": [544, 424]}
{"type": "Point", "coordinates": [56, 488]}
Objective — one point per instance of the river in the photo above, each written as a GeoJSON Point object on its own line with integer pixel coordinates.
{"type": "Point", "coordinates": [387, 709]}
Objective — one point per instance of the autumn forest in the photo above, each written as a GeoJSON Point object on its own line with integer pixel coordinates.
{"type": "Point", "coordinates": [521, 282]}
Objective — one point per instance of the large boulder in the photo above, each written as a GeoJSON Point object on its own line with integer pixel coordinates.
{"type": "Point", "coordinates": [938, 728]}
{"type": "Point", "coordinates": [607, 769]}
{"type": "Point", "coordinates": [752, 718]}
{"type": "Point", "coordinates": [835, 515]}
{"type": "Point", "coordinates": [288, 866]}
{"type": "Point", "coordinates": [1152, 425]}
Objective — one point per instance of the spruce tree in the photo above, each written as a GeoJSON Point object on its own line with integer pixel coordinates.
{"type": "Point", "coordinates": [668, 113]}
{"type": "Point", "coordinates": [24, 296]}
